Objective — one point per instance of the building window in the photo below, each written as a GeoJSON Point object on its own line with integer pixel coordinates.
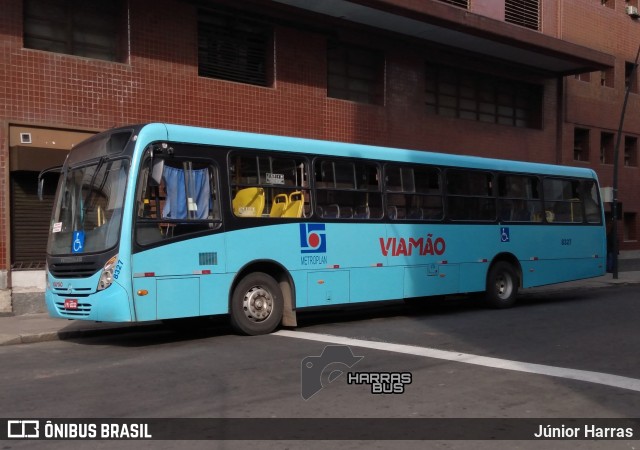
{"type": "Point", "coordinates": [586, 77]}
{"type": "Point", "coordinates": [607, 77]}
{"type": "Point", "coordinates": [630, 151]}
{"type": "Point", "coordinates": [461, 3]}
{"type": "Point", "coordinates": [630, 77]}
{"type": "Point", "coordinates": [355, 73]}
{"type": "Point", "coordinates": [609, 3]}
{"type": "Point", "coordinates": [581, 144]}
{"type": "Point", "coordinates": [234, 48]}
{"type": "Point", "coordinates": [606, 148]}
{"type": "Point", "coordinates": [89, 28]}
{"type": "Point", "coordinates": [471, 95]}
{"type": "Point", "coordinates": [525, 13]}
{"type": "Point", "coordinates": [629, 230]}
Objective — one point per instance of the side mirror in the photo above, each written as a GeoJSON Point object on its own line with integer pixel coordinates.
{"type": "Point", "coordinates": [157, 168]}
{"type": "Point", "coordinates": [41, 179]}
{"type": "Point", "coordinates": [40, 187]}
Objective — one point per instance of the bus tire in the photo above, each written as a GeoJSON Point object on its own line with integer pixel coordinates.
{"type": "Point", "coordinates": [502, 285]}
{"type": "Point", "coordinates": [256, 304]}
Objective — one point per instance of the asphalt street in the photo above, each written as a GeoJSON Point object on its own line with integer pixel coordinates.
{"type": "Point", "coordinates": [212, 373]}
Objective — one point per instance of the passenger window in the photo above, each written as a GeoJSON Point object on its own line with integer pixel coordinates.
{"type": "Point", "coordinates": [562, 201]}
{"type": "Point", "coordinates": [270, 186]}
{"type": "Point", "coordinates": [413, 193]}
{"type": "Point", "coordinates": [591, 198]}
{"type": "Point", "coordinates": [470, 195]}
{"type": "Point", "coordinates": [179, 198]}
{"type": "Point", "coordinates": [347, 189]}
{"type": "Point", "coordinates": [520, 199]}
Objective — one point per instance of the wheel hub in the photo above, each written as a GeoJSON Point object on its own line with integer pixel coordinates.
{"type": "Point", "coordinates": [257, 304]}
{"type": "Point", "coordinates": [504, 286]}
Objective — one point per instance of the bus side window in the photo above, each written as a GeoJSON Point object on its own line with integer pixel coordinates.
{"type": "Point", "coordinates": [347, 189]}
{"type": "Point", "coordinates": [470, 195]}
{"type": "Point", "coordinates": [184, 202]}
{"type": "Point", "coordinates": [563, 202]}
{"type": "Point", "coordinates": [269, 185]}
{"type": "Point", "coordinates": [519, 198]}
{"type": "Point", "coordinates": [591, 202]}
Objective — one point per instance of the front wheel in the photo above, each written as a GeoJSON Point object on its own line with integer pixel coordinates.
{"type": "Point", "coordinates": [502, 285]}
{"type": "Point", "coordinates": [256, 304]}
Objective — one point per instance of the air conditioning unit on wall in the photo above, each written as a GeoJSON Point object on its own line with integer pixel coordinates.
{"type": "Point", "coordinates": [632, 11]}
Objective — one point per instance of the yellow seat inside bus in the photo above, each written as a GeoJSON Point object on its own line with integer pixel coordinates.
{"type": "Point", "coordinates": [294, 207]}
{"type": "Point", "coordinates": [279, 205]}
{"type": "Point", "coordinates": [249, 202]}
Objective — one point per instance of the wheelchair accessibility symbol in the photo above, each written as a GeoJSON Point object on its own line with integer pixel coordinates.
{"type": "Point", "coordinates": [77, 245]}
{"type": "Point", "coordinates": [504, 234]}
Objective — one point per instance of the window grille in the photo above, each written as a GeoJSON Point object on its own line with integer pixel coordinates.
{"type": "Point", "coordinates": [89, 28]}
{"type": "Point", "coordinates": [464, 94]}
{"type": "Point", "coordinates": [234, 48]}
{"type": "Point", "coordinates": [461, 3]}
{"type": "Point", "coordinates": [525, 13]}
{"type": "Point", "coordinates": [355, 73]}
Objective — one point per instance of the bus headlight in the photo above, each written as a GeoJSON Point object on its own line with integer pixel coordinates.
{"type": "Point", "coordinates": [106, 277]}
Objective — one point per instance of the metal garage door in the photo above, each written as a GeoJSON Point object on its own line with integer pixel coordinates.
{"type": "Point", "coordinates": [30, 219]}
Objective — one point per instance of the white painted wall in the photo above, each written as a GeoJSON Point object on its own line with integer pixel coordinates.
{"type": "Point", "coordinates": [28, 280]}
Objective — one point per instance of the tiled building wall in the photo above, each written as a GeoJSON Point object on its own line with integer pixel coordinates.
{"type": "Point", "coordinates": [598, 108]}
{"type": "Point", "coordinates": [159, 82]}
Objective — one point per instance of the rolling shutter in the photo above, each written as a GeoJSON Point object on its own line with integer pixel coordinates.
{"type": "Point", "coordinates": [30, 219]}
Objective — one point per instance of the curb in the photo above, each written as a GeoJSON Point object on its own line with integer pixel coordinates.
{"type": "Point", "coordinates": [33, 338]}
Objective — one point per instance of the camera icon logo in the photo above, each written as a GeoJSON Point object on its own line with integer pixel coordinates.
{"type": "Point", "coordinates": [328, 367]}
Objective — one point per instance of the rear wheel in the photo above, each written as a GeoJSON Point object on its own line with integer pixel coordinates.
{"type": "Point", "coordinates": [256, 304]}
{"type": "Point", "coordinates": [502, 285]}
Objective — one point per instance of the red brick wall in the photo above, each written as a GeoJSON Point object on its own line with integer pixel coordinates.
{"type": "Point", "coordinates": [599, 108]}
{"type": "Point", "coordinates": [4, 197]}
{"type": "Point", "coordinates": [159, 82]}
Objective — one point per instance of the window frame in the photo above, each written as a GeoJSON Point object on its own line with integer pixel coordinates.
{"type": "Point", "coordinates": [71, 32]}
{"type": "Point", "coordinates": [174, 229]}
{"type": "Point", "coordinates": [271, 189]}
{"type": "Point", "coordinates": [347, 72]}
{"type": "Point", "coordinates": [240, 50]}
{"type": "Point", "coordinates": [517, 213]}
{"type": "Point", "coordinates": [459, 93]}
{"type": "Point", "coordinates": [490, 198]}
{"type": "Point", "coordinates": [348, 204]}
{"type": "Point", "coordinates": [409, 212]}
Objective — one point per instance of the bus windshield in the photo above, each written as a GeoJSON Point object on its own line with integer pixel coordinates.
{"type": "Point", "coordinates": [88, 209]}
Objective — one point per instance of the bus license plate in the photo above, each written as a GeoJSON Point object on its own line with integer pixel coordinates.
{"type": "Point", "coordinates": [70, 303]}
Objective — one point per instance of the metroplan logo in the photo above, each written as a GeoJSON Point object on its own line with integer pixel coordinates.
{"type": "Point", "coordinates": [313, 238]}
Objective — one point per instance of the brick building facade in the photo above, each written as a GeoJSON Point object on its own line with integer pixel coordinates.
{"type": "Point", "coordinates": [534, 80]}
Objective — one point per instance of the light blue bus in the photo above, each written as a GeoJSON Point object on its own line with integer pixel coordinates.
{"type": "Point", "coordinates": [159, 222]}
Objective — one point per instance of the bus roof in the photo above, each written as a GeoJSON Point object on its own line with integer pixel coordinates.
{"type": "Point", "coordinates": [226, 138]}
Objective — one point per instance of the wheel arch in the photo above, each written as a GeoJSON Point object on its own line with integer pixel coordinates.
{"type": "Point", "coordinates": [511, 259]}
{"type": "Point", "coordinates": [282, 276]}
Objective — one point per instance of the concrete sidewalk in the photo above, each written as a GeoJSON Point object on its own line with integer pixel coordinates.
{"type": "Point", "coordinates": [31, 328]}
